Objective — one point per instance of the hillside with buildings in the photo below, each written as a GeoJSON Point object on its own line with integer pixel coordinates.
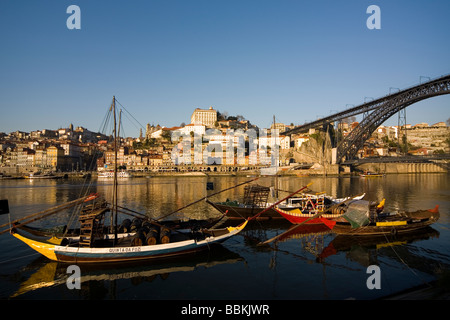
{"type": "Point", "coordinates": [194, 145]}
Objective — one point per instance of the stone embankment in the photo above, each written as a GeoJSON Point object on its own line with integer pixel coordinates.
{"type": "Point", "coordinates": [402, 168]}
{"type": "Point", "coordinates": [318, 151]}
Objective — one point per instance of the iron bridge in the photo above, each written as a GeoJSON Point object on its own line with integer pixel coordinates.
{"type": "Point", "coordinates": [375, 113]}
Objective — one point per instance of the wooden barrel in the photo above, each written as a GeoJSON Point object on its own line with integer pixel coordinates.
{"type": "Point", "coordinates": [136, 224]}
{"type": "Point", "coordinates": [138, 239]}
{"type": "Point", "coordinates": [338, 210]}
{"type": "Point", "coordinates": [152, 236]}
{"type": "Point", "coordinates": [145, 228]}
{"type": "Point", "coordinates": [125, 226]}
{"type": "Point", "coordinates": [164, 235]}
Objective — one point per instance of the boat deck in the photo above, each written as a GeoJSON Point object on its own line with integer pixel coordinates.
{"type": "Point", "coordinates": [127, 241]}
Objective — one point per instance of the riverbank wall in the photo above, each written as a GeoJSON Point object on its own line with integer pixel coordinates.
{"type": "Point", "coordinates": [395, 168]}
{"type": "Point", "coordinates": [315, 170]}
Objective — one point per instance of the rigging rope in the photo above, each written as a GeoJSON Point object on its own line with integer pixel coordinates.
{"type": "Point", "coordinates": [87, 185]}
{"type": "Point", "coordinates": [21, 257]}
{"type": "Point", "coordinates": [403, 261]}
{"type": "Point", "coordinates": [105, 126]}
{"type": "Point", "coordinates": [130, 114]}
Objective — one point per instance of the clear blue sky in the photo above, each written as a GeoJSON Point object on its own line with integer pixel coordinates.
{"type": "Point", "coordinates": [297, 60]}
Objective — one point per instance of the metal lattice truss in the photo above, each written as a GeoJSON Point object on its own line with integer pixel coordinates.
{"type": "Point", "coordinates": [386, 108]}
{"type": "Point", "coordinates": [376, 112]}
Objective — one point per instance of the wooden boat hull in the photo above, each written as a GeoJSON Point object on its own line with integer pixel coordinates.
{"type": "Point", "coordinates": [296, 217]}
{"type": "Point", "coordinates": [54, 250]}
{"type": "Point", "coordinates": [407, 222]}
{"type": "Point", "coordinates": [372, 175]}
{"type": "Point", "coordinates": [238, 212]}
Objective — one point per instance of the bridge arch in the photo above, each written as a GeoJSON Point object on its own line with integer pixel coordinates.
{"type": "Point", "coordinates": [389, 106]}
{"type": "Point", "coordinates": [376, 112]}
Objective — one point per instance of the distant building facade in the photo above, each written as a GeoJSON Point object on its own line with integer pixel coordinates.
{"type": "Point", "coordinates": [206, 117]}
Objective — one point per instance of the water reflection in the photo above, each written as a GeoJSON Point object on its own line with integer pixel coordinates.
{"type": "Point", "coordinates": [52, 274]}
{"type": "Point", "coordinates": [321, 255]}
{"type": "Point", "coordinates": [158, 195]}
{"type": "Point", "coordinates": [317, 244]}
{"type": "Point", "coordinates": [367, 250]}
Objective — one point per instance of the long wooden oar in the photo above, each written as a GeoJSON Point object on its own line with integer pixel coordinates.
{"type": "Point", "coordinates": [278, 202]}
{"type": "Point", "coordinates": [62, 206]}
{"type": "Point", "coordinates": [196, 201]}
{"type": "Point", "coordinates": [43, 214]}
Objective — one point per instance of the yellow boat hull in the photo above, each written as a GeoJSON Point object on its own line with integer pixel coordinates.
{"type": "Point", "coordinates": [46, 248]}
{"type": "Point", "coordinates": [52, 248]}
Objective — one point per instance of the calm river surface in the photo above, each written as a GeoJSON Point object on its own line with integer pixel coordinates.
{"type": "Point", "coordinates": [303, 266]}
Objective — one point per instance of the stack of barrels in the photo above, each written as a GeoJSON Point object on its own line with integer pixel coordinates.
{"type": "Point", "coordinates": [146, 233]}
{"type": "Point", "coordinates": [339, 210]}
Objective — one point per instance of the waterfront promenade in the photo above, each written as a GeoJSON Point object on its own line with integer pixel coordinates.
{"type": "Point", "coordinates": [318, 170]}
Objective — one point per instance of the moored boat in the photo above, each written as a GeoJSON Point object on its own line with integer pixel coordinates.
{"type": "Point", "coordinates": [110, 174]}
{"type": "Point", "coordinates": [362, 220]}
{"type": "Point", "coordinates": [368, 174]}
{"type": "Point", "coordinates": [127, 249]}
{"type": "Point", "coordinates": [96, 242]}
{"type": "Point", "coordinates": [39, 175]}
{"type": "Point", "coordinates": [256, 199]}
{"type": "Point", "coordinates": [314, 212]}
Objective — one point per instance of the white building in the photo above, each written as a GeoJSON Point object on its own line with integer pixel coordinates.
{"type": "Point", "coordinates": [196, 128]}
{"type": "Point", "coordinates": [204, 117]}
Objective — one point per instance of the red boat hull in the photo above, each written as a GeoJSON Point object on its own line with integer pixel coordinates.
{"type": "Point", "coordinates": [295, 219]}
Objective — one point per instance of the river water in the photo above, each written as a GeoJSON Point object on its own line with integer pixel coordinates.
{"type": "Point", "coordinates": [310, 264]}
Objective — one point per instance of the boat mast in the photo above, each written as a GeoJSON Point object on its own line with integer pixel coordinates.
{"type": "Point", "coordinates": [116, 185]}
{"type": "Point", "coordinates": [120, 122]}
{"type": "Point", "coordinates": [114, 209]}
{"type": "Point", "coordinates": [276, 172]}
